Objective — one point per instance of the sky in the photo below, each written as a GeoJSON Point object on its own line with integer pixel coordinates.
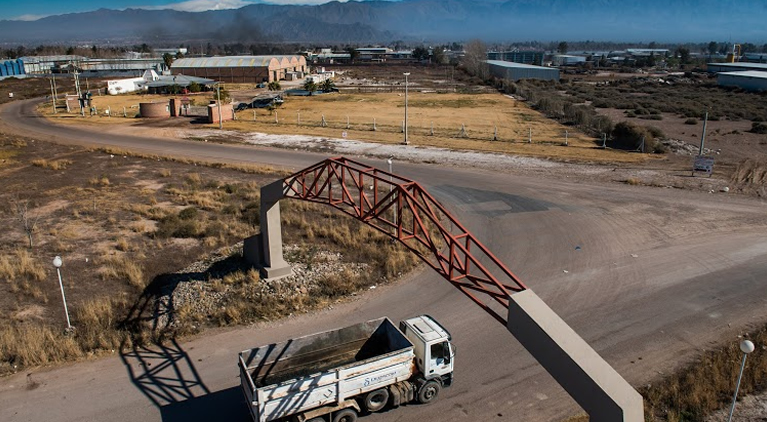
{"type": "Point", "coordinates": [36, 9]}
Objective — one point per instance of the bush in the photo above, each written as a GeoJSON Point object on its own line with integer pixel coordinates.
{"type": "Point", "coordinates": [628, 136]}
{"type": "Point", "coordinates": [691, 121]}
{"type": "Point", "coordinates": [759, 128]}
{"type": "Point", "coordinates": [188, 213]}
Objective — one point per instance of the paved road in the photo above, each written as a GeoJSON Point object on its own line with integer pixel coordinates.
{"type": "Point", "coordinates": [659, 275]}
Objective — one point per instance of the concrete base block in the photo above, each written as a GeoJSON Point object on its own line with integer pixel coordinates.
{"type": "Point", "coordinates": [253, 251]}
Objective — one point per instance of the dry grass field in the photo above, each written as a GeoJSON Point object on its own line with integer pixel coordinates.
{"type": "Point", "coordinates": [483, 117]}
{"type": "Point", "coordinates": [125, 226]}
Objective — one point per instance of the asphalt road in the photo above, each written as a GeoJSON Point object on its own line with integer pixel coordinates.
{"type": "Point", "coordinates": [659, 275]}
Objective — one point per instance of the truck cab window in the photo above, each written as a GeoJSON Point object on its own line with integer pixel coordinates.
{"type": "Point", "coordinates": [440, 353]}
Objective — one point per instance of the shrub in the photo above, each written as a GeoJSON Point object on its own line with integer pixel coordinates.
{"type": "Point", "coordinates": [691, 121]}
{"type": "Point", "coordinates": [188, 213]}
{"type": "Point", "coordinates": [759, 128]}
{"type": "Point", "coordinates": [628, 136]}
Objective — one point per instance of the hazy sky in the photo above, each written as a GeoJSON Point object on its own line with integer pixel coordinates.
{"type": "Point", "coordinates": [35, 9]}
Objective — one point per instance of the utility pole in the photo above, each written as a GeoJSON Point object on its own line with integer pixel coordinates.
{"type": "Point", "coordinates": [703, 136]}
{"type": "Point", "coordinates": [55, 92]}
{"type": "Point", "coordinates": [406, 75]}
{"type": "Point", "coordinates": [53, 96]}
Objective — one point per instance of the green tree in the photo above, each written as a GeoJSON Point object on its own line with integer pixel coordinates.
{"type": "Point", "coordinates": [684, 55]}
{"type": "Point", "coordinates": [353, 54]}
{"type": "Point", "coordinates": [194, 87]}
{"type": "Point", "coordinates": [562, 47]}
{"type": "Point", "coordinates": [167, 59]}
{"type": "Point", "coordinates": [438, 55]}
{"type": "Point", "coordinates": [310, 86]}
{"type": "Point", "coordinates": [420, 53]}
{"type": "Point", "coordinates": [712, 48]}
{"type": "Point", "coordinates": [274, 86]}
{"type": "Point", "coordinates": [327, 85]}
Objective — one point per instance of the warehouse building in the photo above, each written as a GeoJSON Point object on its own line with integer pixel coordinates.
{"type": "Point", "coordinates": [750, 80]}
{"type": "Point", "coordinates": [526, 57]}
{"type": "Point", "coordinates": [517, 71]}
{"type": "Point", "coordinates": [240, 69]}
{"type": "Point", "coordinates": [736, 67]}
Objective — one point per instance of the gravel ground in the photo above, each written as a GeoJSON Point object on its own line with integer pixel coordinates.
{"type": "Point", "coordinates": [749, 409]}
{"type": "Point", "coordinates": [204, 295]}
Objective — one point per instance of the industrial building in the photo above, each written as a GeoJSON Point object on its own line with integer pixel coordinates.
{"type": "Point", "coordinates": [526, 57]}
{"type": "Point", "coordinates": [90, 67]}
{"type": "Point", "coordinates": [241, 69]}
{"type": "Point", "coordinates": [750, 80]}
{"type": "Point", "coordinates": [12, 68]}
{"type": "Point", "coordinates": [516, 71]}
{"type": "Point", "coordinates": [736, 67]}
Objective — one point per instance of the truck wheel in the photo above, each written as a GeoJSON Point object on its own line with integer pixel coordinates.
{"type": "Point", "coordinates": [346, 415]}
{"type": "Point", "coordinates": [429, 392]}
{"type": "Point", "coordinates": [376, 399]}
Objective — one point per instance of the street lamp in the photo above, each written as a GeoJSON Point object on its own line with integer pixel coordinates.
{"type": "Point", "coordinates": [406, 75]}
{"type": "Point", "coordinates": [389, 161]}
{"type": "Point", "coordinates": [746, 346]}
{"type": "Point", "coordinates": [57, 263]}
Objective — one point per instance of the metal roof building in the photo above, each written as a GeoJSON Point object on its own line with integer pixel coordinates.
{"type": "Point", "coordinates": [750, 80]}
{"type": "Point", "coordinates": [516, 71]}
{"type": "Point", "coordinates": [240, 69]}
{"type": "Point", "coordinates": [736, 67]}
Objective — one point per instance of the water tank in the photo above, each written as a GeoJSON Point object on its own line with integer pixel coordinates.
{"type": "Point", "coordinates": [3, 72]}
{"type": "Point", "coordinates": [15, 67]}
{"type": "Point", "coordinates": [22, 71]}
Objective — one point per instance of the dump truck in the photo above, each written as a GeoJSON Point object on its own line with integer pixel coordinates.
{"type": "Point", "coordinates": [335, 375]}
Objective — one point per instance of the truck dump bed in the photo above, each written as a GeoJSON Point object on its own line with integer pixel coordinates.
{"type": "Point", "coordinates": [320, 369]}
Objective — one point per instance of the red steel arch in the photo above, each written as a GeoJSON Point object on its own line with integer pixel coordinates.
{"type": "Point", "coordinates": [405, 211]}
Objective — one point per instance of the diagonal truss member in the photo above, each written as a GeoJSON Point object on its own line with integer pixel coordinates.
{"type": "Point", "coordinates": [404, 210]}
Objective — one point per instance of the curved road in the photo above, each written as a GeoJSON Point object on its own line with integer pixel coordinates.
{"type": "Point", "coordinates": [659, 275]}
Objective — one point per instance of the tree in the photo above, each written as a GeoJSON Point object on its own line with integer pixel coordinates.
{"type": "Point", "coordinates": [194, 87]}
{"type": "Point", "coordinates": [475, 59]}
{"type": "Point", "coordinates": [562, 47]}
{"type": "Point", "coordinates": [438, 55]}
{"type": "Point", "coordinates": [420, 53]}
{"type": "Point", "coordinates": [712, 48]}
{"type": "Point", "coordinates": [28, 222]}
{"type": "Point", "coordinates": [167, 59]}
{"type": "Point", "coordinates": [274, 86]}
{"type": "Point", "coordinates": [684, 55]}
{"type": "Point", "coordinates": [310, 86]}
{"type": "Point", "coordinates": [327, 85]}
{"type": "Point", "coordinates": [353, 54]}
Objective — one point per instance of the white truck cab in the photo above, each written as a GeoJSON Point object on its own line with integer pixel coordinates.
{"type": "Point", "coordinates": [433, 350]}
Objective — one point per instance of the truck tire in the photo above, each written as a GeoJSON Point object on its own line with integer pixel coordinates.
{"type": "Point", "coordinates": [346, 415]}
{"type": "Point", "coordinates": [428, 392]}
{"type": "Point", "coordinates": [376, 399]}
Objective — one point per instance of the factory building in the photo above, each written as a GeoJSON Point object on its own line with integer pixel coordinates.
{"type": "Point", "coordinates": [526, 57]}
{"type": "Point", "coordinates": [736, 67]}
{"type": "Point", "coordinates": [517, 71]}
{"type": "Point", "coordinates": [241, 69]}
{"type": "Point", "coordinates": [750, 80]}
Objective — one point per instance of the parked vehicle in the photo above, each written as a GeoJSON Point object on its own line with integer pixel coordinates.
{"type": "Point", "coordinates": [334, 375]}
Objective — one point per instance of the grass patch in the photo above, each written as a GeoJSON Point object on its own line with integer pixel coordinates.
{"type": "Point", "coordinates": [708, 383]}
{"type": "Point", "coordinates": [52, 164]}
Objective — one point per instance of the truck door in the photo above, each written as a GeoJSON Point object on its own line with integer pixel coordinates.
{"type": "Point", "coordinates": [440, 359]}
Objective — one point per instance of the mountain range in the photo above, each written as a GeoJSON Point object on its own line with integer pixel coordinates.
{"type": "Point", "coordinates": [411, 20]}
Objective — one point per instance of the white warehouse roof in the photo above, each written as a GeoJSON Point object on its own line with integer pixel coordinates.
{"type": "Point", "coordinates": [230, 61]}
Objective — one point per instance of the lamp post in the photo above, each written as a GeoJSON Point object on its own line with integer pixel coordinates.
{"type": "Point", "coordinates": [746, 346]}
{"type": "Point", "coordinates": [406, 75]}
{"type": "Point", "coordinates": [218, 105]}
{"type": "Point", "coordinates": [57, 263]}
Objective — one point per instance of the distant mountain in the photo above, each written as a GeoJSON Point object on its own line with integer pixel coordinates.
{"type": "Point", "coordinates": [429, 20]}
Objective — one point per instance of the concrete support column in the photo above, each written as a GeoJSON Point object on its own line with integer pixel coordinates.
{"type": "Point", "coordinates": [590, 381]}
{"type": "Point", "coordinates": [265, 249]}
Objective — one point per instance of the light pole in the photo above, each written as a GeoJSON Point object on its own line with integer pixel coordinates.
{"type": "Point", "coordinates": [218, 104]}
{"type": "Point", "coordinates": [746, 346]}
{"type": "Point", "coordinates": [406, 75]}
{"type": "Point", "coordinates": [57, 263]}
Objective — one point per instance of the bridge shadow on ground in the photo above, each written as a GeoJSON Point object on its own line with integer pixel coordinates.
{"type": "Point", "coordinates": [162, 370]}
